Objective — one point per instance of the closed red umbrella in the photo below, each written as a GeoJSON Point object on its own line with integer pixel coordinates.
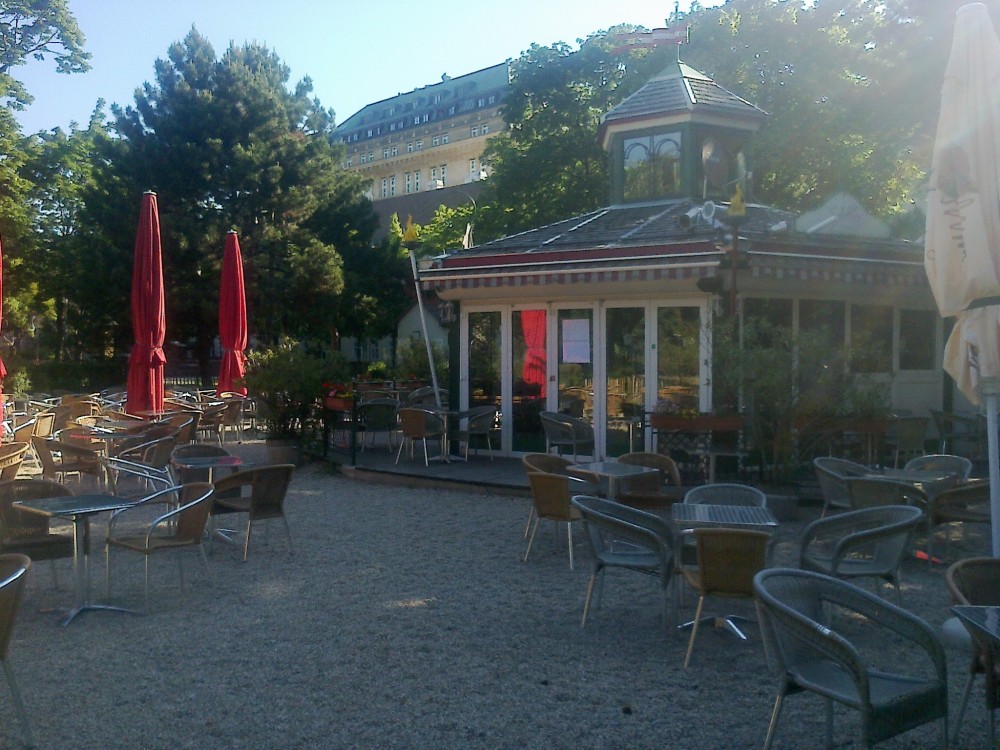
{"type": "Point", "coordinates": [232, 318]}
{"type": "Point", "coordinates": [146, 363]}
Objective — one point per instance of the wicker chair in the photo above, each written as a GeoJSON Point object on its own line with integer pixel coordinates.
{"type": "Point", "coordinates": [378, 415]}
{"type": "Point", "coordinates": [482, 421]}
{"type": "Point", "coordinates": [264, 499]}
{"type": "Point", "coordinates": [11, 458]}
{"type": "Point", "coordinates": [182, 527]}
{"type": "Point", "coordinates": [564, 431]}
{"type": "Point", "coordinates": [659, 490]}
{"type": "Point", "coordinates": [13, 575]}
{"type": "Point", "coordinates": [420, 424]}
{"type": "Point", "coordinates": [976, 581]}
{"type": "Point", "coordinates": [728, 559]}
{"type": "Point", "coordinates": [28, 533]}
{"type": "Point", "coordinates": [724, 493]}
{"type": "Point", "coordinates": [548, 463]}
{"type": "Point", "coordinates": [832, 473]}
{"type": "Point", "coordinates": [969, 503]}
{"type": "Point", "coordinates": [866, 543]}
{"type": "Point", "coordinates": [628, 538]}
{"type": "Point", "coordinates": [811, 655]}
{"type": "Point", "coordinates": [550, 494]}
{"type": "Point", "coordinates": [59, 459]}
{"type": "Point", "coordinates": [960, 466]}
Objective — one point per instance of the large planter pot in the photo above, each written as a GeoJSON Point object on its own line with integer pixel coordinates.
{"type": "Point", "coordinates": [703, 423]}
{"type": "Point", "coordinates": [283, 451]}
{"type": "Point", "coordinates": [338, 403]}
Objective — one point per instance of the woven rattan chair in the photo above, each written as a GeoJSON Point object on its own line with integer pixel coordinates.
{"type": "Point", "coordinates": [659, 490]}
{"type": "Point", "coordinates": [960, 466]}
{"type": "Point", "coordinates": [60, 459]}
{"type": "Point", "coordinates": [810, 654]}
{"type": "Point", "coordinates": [148, 462]}
{"type": "Point", "coordinates": [832, 474]}
{"type": "Point", "coordinates": [420, 424]}
{"type": "Point", "coordinates": [547, 463]}
{"type": "Point", "coordinates": [181, 528]}
{"type": "Point", "coordinates": [481, 421]}
{"type": "Point", "coordinates": [870, 492]}
{"type": "Point", "coordinates": [564, 431]}
{"type": "Point", "coordinates": [969, 503]}
{"type": "Point", "coordinates": [728, 559]}
{"type": "Point", "coordinates": [976, 581]}
{"type": "Point", "coordinates": [378, 415]}
{"type": "Point", "coordinates": [628, 538]}
{"type": "Point", "coordinates": [260, 493]}
{"type": "Point", "coordinates": [724, 493]}
{"type": "Point", "coordinates": [13, 575]}
{"type": "Point", "coordinates": [866, 543]}
{"type": "Point", "coordinates": [550, 494]}
{"type": "Point", "coordinates": [906, 435]}
{"type": "Point", "coordinates": [29, 533]}
{"type": "Point", "coordinates": [11, 458]}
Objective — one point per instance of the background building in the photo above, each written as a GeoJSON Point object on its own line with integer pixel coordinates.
{"type": "Point", "coordinates": [427, 138]}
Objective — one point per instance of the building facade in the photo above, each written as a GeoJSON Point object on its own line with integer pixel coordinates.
{"type": "Point", "coordinates": [428, 138]}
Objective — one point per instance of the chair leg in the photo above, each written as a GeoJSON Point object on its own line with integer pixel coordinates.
{"type": "Point", "coordinates": [22, 715]}
{"type": "Point", "coordinates": [531, 539]}
{"type": "Point", "coordinates": [288, 536]}
{"type": "Point", "coordinates": [569, 535]}
{"type": "Point", "coordinates": [246, 544]}
{"type": "Point", "coordinates": [778, 703]}
{"type": "Point", "coordinates": [426, 461]}
{"type": "Point", "coordinates": [586, 602]}
{"type": "Point", "coordinates": [694, 631]}
{"type": "Point", "coordinates": [402, 443]}
{"type": "Point", "coordinates": [531, 516]}
{"type": "Point", "coordinates": [204, 562]}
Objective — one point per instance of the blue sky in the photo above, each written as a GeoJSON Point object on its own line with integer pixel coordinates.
{"type": "Point", "coordinates": [355, 54]}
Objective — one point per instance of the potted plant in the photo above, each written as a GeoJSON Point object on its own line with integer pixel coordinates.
{"type": "Point", "coordinates": [287, 382]}
{"type": "Point", "coordinates": [339, 397]}
{"type": "Point", "coordinates": [794, 392]}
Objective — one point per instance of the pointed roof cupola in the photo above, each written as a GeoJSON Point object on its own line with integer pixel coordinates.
{"type": "Point", "coordinates": [681, 135]}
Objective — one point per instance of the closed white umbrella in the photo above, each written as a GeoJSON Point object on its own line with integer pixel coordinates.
{"type": "Point", "coordinates": [962, 250]}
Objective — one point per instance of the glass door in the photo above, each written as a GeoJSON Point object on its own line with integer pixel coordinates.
{"type": "Point", "coordinates": [529, 374]}
{"type": "Point", "coordinates": [575, 364]}
{"type": "Point", "coordinates": [625, 383]}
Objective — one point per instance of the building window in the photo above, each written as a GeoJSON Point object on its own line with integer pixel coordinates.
{"type": "Point", "coordinates": [474, 132]}
{"type": "Point", "coordinates": [436, 140]}
{"type": "Point", "coordinates": [385, 153]}
{"type": "Point", "coordinates": [480, 102]}
{"type": "Point", "coordinates": [444, 174]}
{"type": "Point", "coordinates": [472, 166]}
{"type": "Point", "coordinates": [652, 166]}
{"type": "Point", "coordinates": [871, 338]}
{"type": "Point", "coordinates": [349, 163]}
{"type": "Point", "coordinates": [369, 133]}
{"type": "Point", "coordinates": [917, 339]}
{"type": "Point", "coordinates": [444, 139]}
{"type": "Point", "coordinates": [371, 156]}
{"type": "Point", "coordinates": [385, 188]}
{"type": "Point", "coordinates": [420, 145]}
{"type": "Point", "coordinates": [416, 181]}
{"type": "Point", "coordinates": [451, 110]}
{"type": "Point", "coordinates": [493, 98]}
{"type": "Point", "coordinates": [392, 186]}
{"type": "Point", "coordinates": [426, 117]}
{"type": "Point", "coordinates": [408, 183]}
{"type": "Point", "coordinates": [394, 151]}
{"type": "Point", "coordinates": [434, 173]}
{"type": "Point", "coordinates": [416, 120]}
{"type": "Point", "coordinates": [409, 147]}
{"type": "Point", "coordinates": [363, 159]}
{"type": "Point", "coordinates": [486, 128]}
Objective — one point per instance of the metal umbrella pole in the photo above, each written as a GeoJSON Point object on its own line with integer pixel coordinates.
{"type": "Point", "coordinates": [423, 326]}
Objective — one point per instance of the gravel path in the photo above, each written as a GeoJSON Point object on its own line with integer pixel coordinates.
{"type": "Point", "coordinates": [406, 619]}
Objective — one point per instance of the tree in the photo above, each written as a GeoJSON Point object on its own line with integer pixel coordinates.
{"type": "Point", "coordinates": [549, 166]}
{"type": "Point", "coordinates": [226, 144]}
{"type": "Point", "coordinates": [35, 29]}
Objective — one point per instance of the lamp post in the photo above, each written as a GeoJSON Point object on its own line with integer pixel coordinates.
{"type": "Point", "coordinates": [734, 217]}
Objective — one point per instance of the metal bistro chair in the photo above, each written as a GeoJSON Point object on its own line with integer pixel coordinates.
{"type": "Point", "coordinates": [13, 574]}
{"type": "Point", "coordinates": [378, 415]}
{"type": "Point", "coordinates": [627, 538]}
{"type": "Point", "coordinates": [832, 474]}
{"type": "Point", "coordinates": [810, 654]}
{"type": "Point", "coordinates": [421, 424]}
{"type": "Point", "coordinates": [480, 420]}
{"type": "Point", "coordinates": [564, 431]}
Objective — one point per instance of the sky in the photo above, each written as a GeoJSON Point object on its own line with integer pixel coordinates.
{"type": "Point", "coordinates": [355, 53]}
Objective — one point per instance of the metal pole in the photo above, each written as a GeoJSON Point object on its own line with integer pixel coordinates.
{"type": "Point", "coordinates": [991, 389]}
{"type": "Point", "coordinates": [423, 326]}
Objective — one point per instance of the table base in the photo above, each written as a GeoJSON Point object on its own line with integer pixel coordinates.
{"type": "Point", "coordinates": [722, 622]}
{"type": "Point", "coordinates": [80, 609]}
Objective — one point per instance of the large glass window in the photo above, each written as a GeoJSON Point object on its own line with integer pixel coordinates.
{"type": "Point", "coordinates": [484, 358]}
{"type": "Point", "coordinates": [530, 367]}
{"type": "Point", "coordinates": [626, 386]}
{"type": "Point", "coordinates": [823, 318]}
{"type": "Point", "coordinates": [678, 342]}
{"type": "Point", "coordinates": [576, 363]}
{"type": "Point", "coordinates": [652, 166]}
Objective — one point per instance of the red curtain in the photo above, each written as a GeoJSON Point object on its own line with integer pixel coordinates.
{"type": "Point", "coordinates": [146, 363]}
{"type": "Point", "coordinates": [232, 318]}
{"type": "Point", "coordinates": [533, 328]}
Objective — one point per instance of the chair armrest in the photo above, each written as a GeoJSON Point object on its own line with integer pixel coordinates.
{"type": "Point", "coordinates": [160, 496]}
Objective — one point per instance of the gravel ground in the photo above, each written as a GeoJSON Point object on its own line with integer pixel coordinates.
{"type": "Point", "coordinates": [406, 619]}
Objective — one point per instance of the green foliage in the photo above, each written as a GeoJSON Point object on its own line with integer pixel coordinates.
{"type": "Point", "coordinates": [378, 371]}
{"type": "Point", "coordinates": [286, 382]}
{"type": "Point", "coordinates": [412, 364]}
{"type": "Point", "coordinates": [794, 389]}
{"type": "Point", "coordinates": [17, 382]}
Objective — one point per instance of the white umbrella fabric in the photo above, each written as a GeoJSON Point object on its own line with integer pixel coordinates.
{"type": "Point", "coordinates": [962, 241]}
